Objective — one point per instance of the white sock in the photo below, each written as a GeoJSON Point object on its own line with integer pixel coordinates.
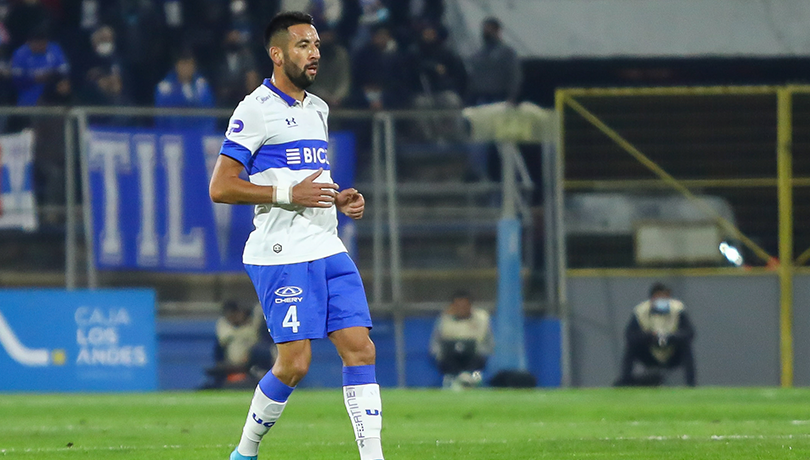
{"type": "Point", "coordinates": [365, 412]}
{"type": "Point", "coordinates": [263, 414]}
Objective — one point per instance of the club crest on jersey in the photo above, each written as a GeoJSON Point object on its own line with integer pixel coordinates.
{"type": "Point", "coordinates": [307, 155]}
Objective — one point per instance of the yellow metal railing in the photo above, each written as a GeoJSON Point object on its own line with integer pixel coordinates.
{"type": "Point", "coordinates": [784, 266]}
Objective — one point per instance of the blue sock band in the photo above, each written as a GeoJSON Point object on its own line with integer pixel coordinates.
{"type": "Point", "coordinates": [274, 388]}
{"type": "Point", "coordinates": [359, 375]}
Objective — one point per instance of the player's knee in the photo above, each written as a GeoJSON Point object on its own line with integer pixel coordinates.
{"type": "Point", "coordinates": [292, 369]}
{"type": "Point", "coordinates": [362, 353]}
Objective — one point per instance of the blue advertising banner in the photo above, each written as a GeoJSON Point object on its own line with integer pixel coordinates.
{"type": "Point", "coordinates": [151, 210]}
{"type": "Point", "coordinates": [55, 340]}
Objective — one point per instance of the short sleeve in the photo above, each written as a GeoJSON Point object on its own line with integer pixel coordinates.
{"type": "Point", "coordinates": [246, 132]}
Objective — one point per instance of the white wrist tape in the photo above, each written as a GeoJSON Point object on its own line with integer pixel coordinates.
{"type": "Point", "coordinates": [283, 194]}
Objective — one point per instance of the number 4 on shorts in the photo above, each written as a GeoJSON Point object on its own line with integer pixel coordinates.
{"type": "Point", "coordinates": [291, 319]}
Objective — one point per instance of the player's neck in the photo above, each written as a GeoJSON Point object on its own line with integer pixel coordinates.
{"type": "Point", "coordinates": [288, 87]}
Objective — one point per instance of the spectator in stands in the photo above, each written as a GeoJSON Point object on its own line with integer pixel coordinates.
{"type": "Point", "coordinates": [495, 73]}
{"type": "Point", "coordinates": [379, 71]}
{"type": "Point", "coordinates": [237, 334]}
{"type": "Point", "coordinates": [184, 87]}
{"type": "Point", "coordinates": [236, 74]}
{"type": "Point", "coordinates": [461, 342]}
{"type": "Point", "coordinates": [104, 80]}
{"type": "Point", "coordinates": [438, 79]}
{"type": "Point", "coordinates": [371, 15]}
{"type": "Point", "coordinates": [6, 87]}
{"type": "Point", "coordinates": [23, 17]}
{"type": "Point", "coordinates": [659, 336]}
{"type": "Point", "coordinates": [142, 38]}
{"type": "Point", "coordinates": [40, 71]}
{"type": "Point", "coordinates": [334, 70]}
{"type": "Point", "coordinates": [244, 350]}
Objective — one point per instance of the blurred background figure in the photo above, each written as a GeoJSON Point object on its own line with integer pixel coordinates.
{"type": "Point", "coordinates": [40, 71]}
{"type": "Point", "coordinates": [380, 71]}
{"type": "Point", "coordinates": [334, 80]}
{"type": "Point", "coordinates": [23, 17]}
{"type": "Point", "coordinates": [495, 72]}
{"type": "Point", "coordinates": [659, 336]}
{"type": "Point", "coordinates": [461, 342]}
{"type": "Point", "coordinates": [184, 87]}
{"type": "Point", "coordinates": [438, 80]}
{"type": "Point", "coordinates": [242, 353]}
{"type": "Point", "coordinates": [104, 81]}
{"type": "Point", "coordinates": [236, 74]}
{"type": "Point", "coordinates": [41, 75]}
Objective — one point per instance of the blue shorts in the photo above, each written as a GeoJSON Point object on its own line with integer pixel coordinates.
{"type": "Point", "coordinates": [309, 300]}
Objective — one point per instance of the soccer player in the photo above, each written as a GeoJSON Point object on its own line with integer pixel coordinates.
{"type": "Point", "coordinates": [308, 286]}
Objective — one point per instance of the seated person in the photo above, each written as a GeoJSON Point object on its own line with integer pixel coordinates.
{"type": "Point", "coordinates": [461, 342]}
{"type": "Point", "coordinates": [234, 352]}
{"type": "Point", "coordinates": [659, 335]}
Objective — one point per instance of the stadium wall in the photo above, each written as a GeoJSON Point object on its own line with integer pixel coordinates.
{"type": "Point", "coordinates": [736, 319]}
{"type": "Point", "coordinates": [801, 329]}
{"type": "Point", "coordinates": [185, 349]}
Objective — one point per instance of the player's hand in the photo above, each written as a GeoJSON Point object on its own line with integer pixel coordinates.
{"type": "Point", "coordinates": [351, 203]}
{"type": "Point", "coordinates": [314, 194]}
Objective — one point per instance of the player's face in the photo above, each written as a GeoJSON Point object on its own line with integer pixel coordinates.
{"type": "Point", "coordinates": [302, 55]}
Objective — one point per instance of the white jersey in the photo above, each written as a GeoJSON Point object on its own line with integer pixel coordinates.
{"type": "Point", "coordinates": [281, 141]}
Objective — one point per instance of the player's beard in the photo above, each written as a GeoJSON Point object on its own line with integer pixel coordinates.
{"type": "Point", "coordinates": [299, 77]}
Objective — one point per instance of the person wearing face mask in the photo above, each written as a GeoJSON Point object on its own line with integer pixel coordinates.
{"type": "Point", "coordinates": [104, 81]}
{"type": "Point", "coordinates": [495, 73]}
{"type": "Point", "coordinates": [659, 336]}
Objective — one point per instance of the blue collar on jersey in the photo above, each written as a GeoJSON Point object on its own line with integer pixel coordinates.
{"type": "Point", "coordinates": [287, 98]}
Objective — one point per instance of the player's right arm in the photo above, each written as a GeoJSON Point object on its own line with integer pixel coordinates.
{"type": "Point", "coordinates": [246, 134]}
{"type": "Point", "coordinates": [227, 187]}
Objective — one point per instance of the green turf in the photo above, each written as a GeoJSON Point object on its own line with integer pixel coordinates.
{"type": "Point", "coordinates": [702, 423]}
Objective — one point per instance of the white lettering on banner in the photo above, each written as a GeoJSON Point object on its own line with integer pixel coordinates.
{"type": "Point", "coordinates": [308, 158]}
{"type": "Point", "coordinates": [127, 356]}
{"type": "Point", "coordinates": [112, 155]}
{"type": "Point", "coordinates": [182, 249]}
{"type": "Point", "coordinates": [322, 155]}
{"type": "Point", "coordinates": [98, 337]}
{"type": "Point", "coordinates": [87, 316]}
{"type": "Point", "coordinates": [147, 244]}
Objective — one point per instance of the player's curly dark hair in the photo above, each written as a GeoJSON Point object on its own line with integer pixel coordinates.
{"type": "Point", "coordinates": [284, 20]}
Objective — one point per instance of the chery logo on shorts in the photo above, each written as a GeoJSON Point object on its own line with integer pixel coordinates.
{"type": "Point", "coordinates": [289, 291]}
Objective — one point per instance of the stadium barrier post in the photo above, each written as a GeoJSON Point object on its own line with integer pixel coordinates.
{"type": "Point", "coordinates": [785, 171]}
{"type": "Point", "coordinates": [509, 331]}
{"type": "Point", "coordinates": [87, 205]}
{"type": "Point", "coordinates": [559, 217]}
{"type": "Point", "coordinates": [70, 203]}
{"type": "Point", "coordinates": [394, 243]}
{"type": "Point", "coordinates": [377, 209]}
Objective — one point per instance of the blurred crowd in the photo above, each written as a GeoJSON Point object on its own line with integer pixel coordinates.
{"type": "Point", "coordinates": [376, 54]}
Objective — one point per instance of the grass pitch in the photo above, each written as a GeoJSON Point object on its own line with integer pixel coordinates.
{"type": "Point", "coordinates": [702, 423]}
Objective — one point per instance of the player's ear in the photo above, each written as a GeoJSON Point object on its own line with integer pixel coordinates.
{"type": "Point", "coordinates": [276, 55]}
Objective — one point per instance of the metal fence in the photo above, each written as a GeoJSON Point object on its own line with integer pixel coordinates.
{"type": "Point", "coordinates": [660, 183]}
{"type": "Point", "coordinates": [433, 202]}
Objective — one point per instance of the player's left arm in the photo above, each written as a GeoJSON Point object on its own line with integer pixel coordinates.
{"type": "Point", "coordinates": [351, 203]}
